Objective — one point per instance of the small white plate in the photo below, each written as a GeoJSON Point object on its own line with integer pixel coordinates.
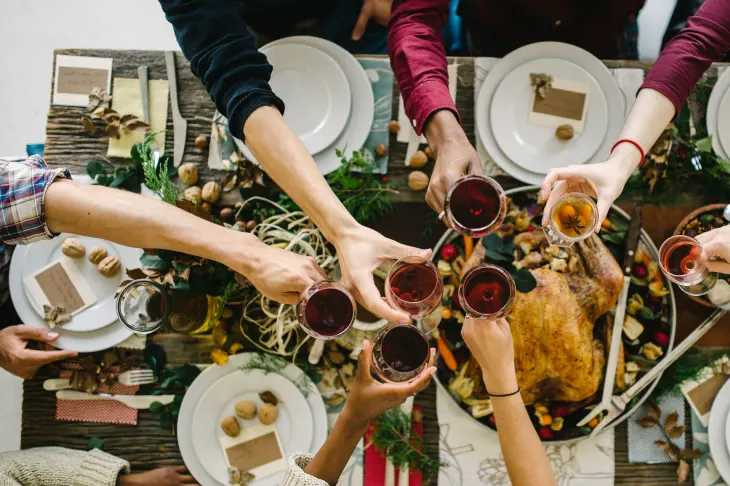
{"type": "Point", "coordinates": [541, 50]}
{"type": "Point", "coordinates": [723, 126]}
{"type": "Point", "coordinates": [534, 147]}
{"type": "Point", "coordinates": [293, 425]}
{"type": "Point", "coordinates": [359, 124]}
{"type": "Point", "coordinates": [104, 311]}
{"type": "Point", "coordinates": [716, 432]}
{"type": "Point", "coordinates": [212, 374]}
{"type": "Point", "coordinates": [314, 90]}
{"type": "Point", "coordinates": [717, 98]}
{"type": "Point", "coordinates": [82, 342]}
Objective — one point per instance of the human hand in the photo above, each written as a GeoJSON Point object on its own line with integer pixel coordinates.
{"type": "Point", "coordinates": [455, 157]}
{"type": "Point", "coordinates": [163, 476]}
{"type": "Point", "coordinates": [490, 342]}
{"type": "Point", "coordinates": [605, 181]}
{"type": "Point", "coordinates": [716, 244]}
{"type": "Point", "coordinates": [378, 10]}
{"type": "Point", "coordinates": [360, 251]}
{"type": "Point", "coordinates": [280, 274]}
{"type": "Point", "coordinates": [369, 398]}
{"type": "Point", "coordinates": [16, 358]}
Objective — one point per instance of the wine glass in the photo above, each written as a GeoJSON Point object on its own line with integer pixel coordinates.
{"type": "Point", "coordinates": [143, 306]}
{"type": "Point", "coordinates": [400, 353]}
{"type": "Point", "coordinates": [487, 292]}
{"type": "Point", "coordinates": [414, 285]}
{"type": "Point", "coordinates": [680, 258]}
{"type": "Point", "coordinates": [475, 205]}
{"type": "Point", "coordinates": [574, 217]}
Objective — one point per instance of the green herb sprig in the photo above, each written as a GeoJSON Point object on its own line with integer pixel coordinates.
{"type": "Point", "coordinates": [156, 178]}
{"type": "Point", "coordinates": [393, 435]}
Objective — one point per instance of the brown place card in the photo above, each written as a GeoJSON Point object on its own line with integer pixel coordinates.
{"type": "Point", "coordinates": [76, 76]}
{"type": "Point", "coordinates": [565, 103]}
{"type": "Point", "coordinates": [60, 283]}
{"type": "Point", "coordinates": [256, 450]}
{"type": "Point", "coordinates": [561, 103]}
{"type": "Point", "coordinates": [701, 391]}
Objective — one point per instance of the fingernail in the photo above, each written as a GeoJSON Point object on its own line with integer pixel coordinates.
{"type": "Point", "coordinates": [52, 335]}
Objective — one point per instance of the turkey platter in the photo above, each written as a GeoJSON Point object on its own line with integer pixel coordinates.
{"type": "Point", "coordinates": [562, 317]}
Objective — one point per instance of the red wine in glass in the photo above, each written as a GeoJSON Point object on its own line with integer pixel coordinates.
{"type": "Point", "coordinates": [326, 310]}
{"type": "Point", "coordinates": [487, 291]}
{"type": "Point", "coordinates": [475, 205]}
{"type": "Point", "coordinates": [414, 286]}
{"type": "Point", "coordinates": [400, 353]}
{"type": "Point", "coordinates": [680, 258]}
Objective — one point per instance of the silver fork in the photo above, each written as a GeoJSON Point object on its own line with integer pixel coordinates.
{"type": "Point", "coordinates": [619, 402]}
{"type": "Point", "coordinates": [128, 378]}
{"type": "Point", "coordinates": [144, 90]}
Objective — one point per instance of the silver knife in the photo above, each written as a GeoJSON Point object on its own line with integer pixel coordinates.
{"type": "Point", "coordinates": [180, 124]}
{"type": "Point", "coordinates": [132, 401]}
{"type": "Point", "coordinates": [632, 243]}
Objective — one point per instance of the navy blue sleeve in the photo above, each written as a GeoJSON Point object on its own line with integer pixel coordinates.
{"type": "Point", "coordinates": [223, 55]}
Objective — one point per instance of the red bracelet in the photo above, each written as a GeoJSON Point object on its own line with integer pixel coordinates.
{"type": "Point", "coordinates": [626, 140]}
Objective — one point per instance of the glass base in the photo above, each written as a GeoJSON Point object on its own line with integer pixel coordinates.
{"type": "Point", "coordinates": [430, 323]}
{"type": "Point", "coordinates": [701, 288]}
{"type": "Point", "coordinates": [555, 239]}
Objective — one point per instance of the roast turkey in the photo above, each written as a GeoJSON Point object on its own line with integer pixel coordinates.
{"type": "Point", "coordinates": [557, 355]}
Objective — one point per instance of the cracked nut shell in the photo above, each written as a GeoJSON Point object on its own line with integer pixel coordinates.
{"type": "Point", "coordinates": [109, 266]}
{"type": "Point", "coordinates": [97, 254]}
{"type": "Point", "coordinates": [211, 192]}
{"type": "Point", "coordinates": [73, 248]}
{"type": "Point", "coordinates": [188, 173]}
{"type": "Point", "coordinates": [194, 195]}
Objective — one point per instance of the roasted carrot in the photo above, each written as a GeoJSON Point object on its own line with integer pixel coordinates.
{"type": "Point", "coordinates": [446, 353]}
{"type": "Point", "coordinates": [468, 246]}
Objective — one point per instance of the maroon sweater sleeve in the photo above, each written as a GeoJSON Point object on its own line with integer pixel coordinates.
{"type": "Point", "coordinates": [705, 39]}
{"type": "Point", "coordinates": [418, 57]}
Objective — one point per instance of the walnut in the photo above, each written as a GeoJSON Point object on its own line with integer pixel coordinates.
{"type": "Point", "coordinates": [227, 214]}
{"type": "Point", "coordinates": [268, 413]}
{"type": "Point", "coordinates": [73, 248]}
{"type": "Point", "coordinates": [231, 426]}
{"type": "Point", "coordinates": [211, 192]}
{"type": "Point", "coordinates": [193, 194]}
{"type": "Point", "coordinates": [188, 173]}
{"type": "Point", "coordinates": [246, 410]}
{"type": "Point", "coordinates": [417, 180]}
{"type": "Point", "coordinates": [394, 126]}
{"type": "Point", "coordinates": [564, 132]}
{"type": "Point", "coordinates": [201, 141]}
{"type": "Point", "coordinates": [97, 254]}
{"type": "Point", "coordinates": [381, 150]}
{"type": "Point", "coordinates": [207, 206]}
{"type": "Point", "coordinates": [110, 266]}
{"type": "Point", "coordinates": [418, 159]}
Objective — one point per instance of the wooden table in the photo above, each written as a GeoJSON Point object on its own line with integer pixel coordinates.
{"type": "Point", "coordinates": [149, 446]}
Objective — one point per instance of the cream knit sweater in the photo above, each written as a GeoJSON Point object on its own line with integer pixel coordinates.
{"type": "Point", "coordinates": [56, 466]}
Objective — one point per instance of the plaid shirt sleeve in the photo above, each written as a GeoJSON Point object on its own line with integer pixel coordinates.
{"type": "Point", "coordinates": [23, 188]}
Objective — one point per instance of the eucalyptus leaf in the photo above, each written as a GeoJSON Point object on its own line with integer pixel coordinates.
{"type": "Point", "coordinates": [155, 357]}
{"type": "Point", "coordinates": [615, 238]}
{"type": "Point", "coordinates": [647, 314]}
{"type": "Point", "coordinates": [493, 242]}
{"type": "Point", "coordinates": [95, 443]}
{"type": "Point", "coordinates": [704, 144]}
{"type": "Point", "coordinates": [498, 256]}
{"type": "Point", "coordinates": [156, 407]}
{"type": "Point", "coordinates": [524, 280]}
{"type": "Point", "coordinates": [95, 168]}
{"type": "Point", "coordinates": [154, 262]}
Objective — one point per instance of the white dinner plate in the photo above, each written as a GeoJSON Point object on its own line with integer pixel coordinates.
{"type": "Point", "coordinates": [104, 311]}
{"type": "Point", "coordinates": [717, 98]}
{"type": "Point", "coordinates": [314, 90]}
{"type": "Point", "coordinates": [723, 125]}
{"type": "Point", "coordinates": [716, 432]}
{"type": "Point", "coordinates": [362, 112]}
{"type": "Point", "coordinates": [535, 147]}
{"type": "Point", "coordinates": [82, 342]}
{"type": "Point", "coordinates": [293, 425]}
{"type": "Point", "coordinates": [547, 50]}
{"type": "Point", "coordinates": [214, 373]}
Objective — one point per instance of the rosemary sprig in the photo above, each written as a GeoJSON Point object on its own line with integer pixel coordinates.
{"type": "Point", "coordinates": [157, 179]}
{"type": "Point", "coordinates": [393, 435]}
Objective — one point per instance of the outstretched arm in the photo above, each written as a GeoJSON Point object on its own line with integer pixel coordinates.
{"type": "Point", "coordinates": [491, 344]}
{"type": "Point", "coordinates": [705, 39]}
